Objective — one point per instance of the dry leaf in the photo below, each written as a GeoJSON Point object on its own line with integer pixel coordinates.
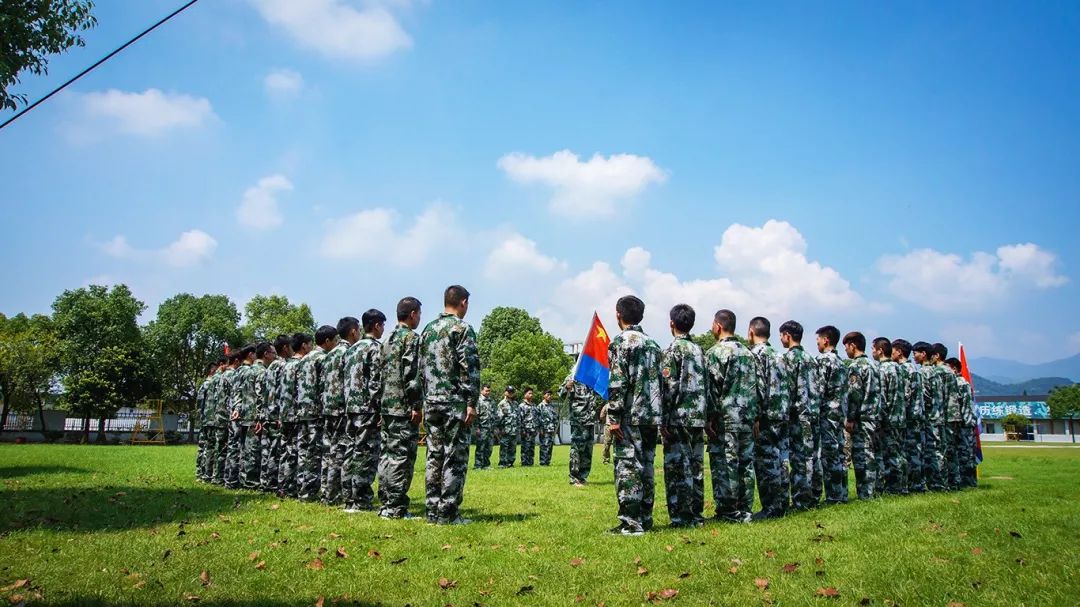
{"type": "Point", "coordinates": [770, 554]}
{"type": "Point", "coordinates": [789, 567]}
{"type": "Point", "coordinates": [637, 560]}
{"type": "Point", "coordinates": [957, 604]}
{"type": "Point", "coordinates": [579, 598]}
{"type": "Point", "coordinates": [17, 599]}
{"type": "Point", "coordinates": [650, 596]}
{"type": "Point", "coordinates": [733, 570]}
{"type": "Point", "coordinates": [446, 584]}
{"type": "Point", "coordinates": [316, 564]}
{"type": "Point", "coordinates": [668, 593]}
{"type": "Point", "coordinates": [334, 536]}
{"type": "Point", "coordinates": [253, 556]}
{"type": "Point", "coordinates": [642, 571]}
{"type": "Point", "coordinates": [204, 577]}
{"type": "Point", "coordinates": [215, 536]}
{"type": "Point", "coordinates": [341, 554]}
{"type": "Point", "coordinates": [525, 590]}
{"type": "Point", "coordinates": [819, 561]}
{"type": "Point", "coordinates": [865, 601]}
{"type": "Point", "coordinates": [976, 551]}
{"type": "Point", "coordinates": [830, 592]}
{"type": "Point", "coordinates": [260, 565]}
{"type": "Point", "coordinates": [446, 546]}
{"type": "Point", "coordinates": [16, 585]}
{"type": "Point", "coordinates": [320, 601]}
{"type": "Point", "coordinates": [375, 554]}
{"type": "Point", "coordinates": [576, 562]}
{"type": "Point", "coordinates": [194, 598]}
{"type": "Point", "coordinates": [669, 548]}
{"type": "Point", "coordinates": [275, 506]}
{"type": "Point", "coordinates": [399, 561]}
{"type": "Point", "coordinates": [684, 575]}
{"type": "Point", "coordinates": [322, 550]}
{"type": "Point", "coordinates": [761, 582]}
{"type": "Point", "coordinates": [1015, 534]}
{"type": "Point", "coordinates": [139, 584]}
{"type": "Point", "coordinates": [736, 561]}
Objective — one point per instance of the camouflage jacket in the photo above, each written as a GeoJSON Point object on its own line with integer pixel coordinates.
{"type": "Point", "coordinates": [243, 394]}
{"type": "Point", "coordinates": [309, 385]}
{"type": "Point", "coordinates": [864, 391]}
{"type": "Point", "coordinates": [334, 379]}
{"type": "Point", "coordinates": [731, 384]}
{"type": "Point", "coordinates": [401, 373]}
{"type": "Point", "coordinates": [935, 407]}
{"type": "Point", "coordinates": [507, 417]}
{"type": "Point", "coordinates": [947, 386]}
{"type": "Point", "coordinates": [683, 373]}
{"type": "Point", "coordinates": [634, 392]}
{"type": "Point", "coordinates": [449, 366]}
{"type": "Point", "coordinates": [253, 406]}
{"type": "Point", "coordinates": [967, 404]}
{"type": "Point", "coordinates": [953, 405]}
{"type": "Point", "coordinates": [584, 404]}
{"type": "Point", "coordinates": [485, 414]}
{"type": "Point", "coordinates": [530, 419]}
{"type": "Point", "coordinates": [203, 402]}
{"type": "Point", "coordinates": [832, 381]}
{"type": "Point", "coordinates": [914, 410]}
{"type": "Point", "coordinates": [893, 402]}
{"type": "Point", "coordinates": [364, 377]}
{"type": "Point", "coordinates": [288, 383]}
{"type": "Point", "coordinates": [770, 381]}
{"type": "Point", "coordinates": [800, 385]}
{"type": "Point", "coordinates": [223, 396]}
{"type": "Point", "coordinates": [548, 418]}
{"type": "Point", "coordinates": [271, 380]}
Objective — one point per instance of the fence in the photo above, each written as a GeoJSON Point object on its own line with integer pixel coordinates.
{"type": "Point", "coordinates": [119, 428]}
{"type": "Point", "coordinates": [19, 422]}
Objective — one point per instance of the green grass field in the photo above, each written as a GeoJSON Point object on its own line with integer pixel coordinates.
{"type": "Point", "coordinates": [128, 525]}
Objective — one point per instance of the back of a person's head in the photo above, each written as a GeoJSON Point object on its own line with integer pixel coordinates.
{"type": "Point", "coordinates": [631, 309]}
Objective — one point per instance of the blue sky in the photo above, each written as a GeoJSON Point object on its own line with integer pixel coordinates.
{"type": "Point", "coordinates": [902, 170]}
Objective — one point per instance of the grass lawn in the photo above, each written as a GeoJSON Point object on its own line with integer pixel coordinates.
{"type": "Point", "coordinates": [129, 525]}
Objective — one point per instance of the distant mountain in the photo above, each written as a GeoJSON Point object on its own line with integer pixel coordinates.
{"type": "Point", "coordinates": [1009, 371]}
{"type": "Point", "coordinates": [1033, 387]}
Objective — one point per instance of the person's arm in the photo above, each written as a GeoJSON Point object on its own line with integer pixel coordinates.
{"type": "Point", "coordinates": [374, 381]}
{"type": "Point", "coordinates": [469, 362]}
{"type": "Point", "coordinates": [616, 386]}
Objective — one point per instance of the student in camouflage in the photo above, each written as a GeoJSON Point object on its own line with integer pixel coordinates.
{"type": "Point", "coordinates": [241, 402]}
{"type": "Point", "coordinates": [530, 427]}
{"type": "Point", "coordinates": [508, 427]}
{"type": "Point", "coordinates": [548, 421]}
{"type": "Point", "coordinates": [892, 463]}
{"type": "Point", "coordinates": [363, 393]}
{"type": "Point", "coordinates": [864, 406]}
{"type": "Point", "coordinates": [770, 436]}
{"type": "Point", "coordinates": [635, 412]}
{"type": "Point", "coordinates": [732, 405]}
{"type": "Point", "coordinates": [450, 377]}
{"type": "Point", "coordinates": [582, 404]}
{"type": "Point", "coordinates": [485, 429]}
{"type": "Point", "coordinates": [254, 415]}
{"type": "Point", "coordinates": [911, 380]}
{"type": "Point", "coordinates": [934, 467]}
{"type": "Point", "coordinates": [969, 477]}
{"type": "Point", "coordinates": [400, 408]}
{"type": "Point", "coordinates": [960, 419]}
{"type": "Point", "coordinates": [310, 383]}
{"type": "Point", "coordinates": [335, 429]}
{"type": "Point", "coordinates": [290, 415]}
{"type": "Point", "coordinates": [799, 385]}
{"type": "Point", "coordinates": [270, 437]}
{"type": "Point", "coordinates": [683, 383]}
{"type": "Point", "coordinates": [205, 406]}
{"type": "Point", "coordinates": [832, 386]}
{"type": "Point", "coordinates": [223, 407]}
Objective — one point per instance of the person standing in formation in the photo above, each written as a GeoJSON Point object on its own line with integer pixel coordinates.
{"type": "Point", "coordinates": [254, 415]}
{"type": "Point", "coordinates": [803, 414]}
{"type": "Point", "coordinates": [290, 415]}
{"type": "Point", "coordinates": [914, 412]}
{"type": "Point", "coordinates": [270, 437]}
{"type": "Point", "coordinates": [236, 405]}
{"type": "Point", "coordinates": [548, 422]}
{"type": "Point", "coordinates": [832, 386]}
{"type": "Point", "coordinates": [208, 426]}
{"type": "Point", "coordinates": [335, 425]}
{"type": "Point", "coordinates": [311, 382]}
{"type": "Point", "coordinates": [582, 405]}
{"type": "Point", "coordinates": [890, 453]}
{"type": "Point", "coordinates": [530, 427]}
{"type": "Point", "coordinates": [485, 429]}
{"type": "Point", "coordinates": [864, 394]}
{"type": "Point", "coordinates": [508, 422]}
{"type": "Point", "coordinates": [770, 427]}
{"type": "Point", "coordinates": [400, 407]}
{"type": "Point", "coordinates": [363, 393]}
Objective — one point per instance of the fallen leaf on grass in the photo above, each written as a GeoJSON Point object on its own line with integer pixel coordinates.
{"type": "Point", "coordinates": [1015, 534]}
{"type": "Point", "coordinates": [669, 548]}
{"type": "Point", "coordinates": [770, 554]}
{"type": "Point", "coordinates": [684, 575]}
{"type": "Point", "coordinates": [733, 570]}
{"type": "Point", "coordinates": [399, 561]}
{"type": "Point", "coordinates": [253, 556]}
{"type": "Point", "coordinates": [446, 584]}
{"type": "Point", "coordinates": [957, 604]}
{"type": "Point", "coordinates": [579, 598]}
{"type": "Point", "coordinates": [976, 551]}
{"type": "Point", "coordinates": [1021, 562]}
{"type": "Point", "coordinates": [322, 550]}
{"type": "Point", "coordinates": [830, 592]}
{"type": "Point", "coordinates": [16, 585]}
{"type": "Point", "coordinates": [935, 526]}
{"type": "Point", "coordinates": [275, 506]}
{"type": "Point", "coordinates": [204, 577]}
{"type": "Point", "coordinates": [316, 565]}
{"type": "Point", "coordinates": [668, 593]}
{"type": "Point", "coordinates": [17, 599]}
{"type": "Point", "coordinates": [762, 583]}
{"type": "Point", "coordinates": [576, 562]}
{"type": "Point", "coordinates": [334, 536]}
{"type": "Point", "coordinates": [790, 567]}
{"type": "Point", "coordinates": [375, 554]}
{"type": "Point", "coordinates": [819, 561]}
{"type": "Point", "coordinates": [865, 601]}
{"type": "Point", "coordinates": [822, 537]}
{"type": "Point", "coordinates": [215, 536]}
{"type": "Point", "coordinates": [194, 598]}
{"type": "Point", "coordinates": [341, 554]}
{"type": "Point", "coordinates": [525, 590]}
{"type": "Point", "coordinates": [260, 565]}
{"type": "Point", "coordinates": [637, 560]}
{"type": "Point", "coordinates": [447, 546]}
{"type": "Point", "coordinates": [319, 602]}
{"type": "Point", "coordinates": [642, 571]}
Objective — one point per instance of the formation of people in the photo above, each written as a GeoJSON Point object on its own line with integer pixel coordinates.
{"type": "Point", "coordinates": [329, 417]}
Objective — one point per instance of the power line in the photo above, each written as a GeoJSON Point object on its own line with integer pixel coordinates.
{"type": "Point", "coordinates": [98, 62]}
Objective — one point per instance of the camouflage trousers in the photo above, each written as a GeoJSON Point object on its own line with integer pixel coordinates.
{"type": "Point", "coordinates": [251, 460]}
{"type": "Point", "coordinates": [731, 460]}
{"type": "Point", "coordinates": [894, 472]}
{"type": "Point", "coordinates": [269, 443]}
{"type": "Point", "coordinates": [200, 455]}
{"type": "Point", "coordinates": [969, 477]}
{"type": "Point", "coordinates": [772, 478]}
{"type": "Point", "coordinates": [608, 440]}
{"type": "Point", "coordinates": [482, 456]}
{"type": "Point", "coordinates": [234, 454]}
{"type": "Point", "coordinates": [396, 462]}
{"type": "Point", "coordinates": [308, 459]}
{"type": "Point", "coordinates": [361, 459]}
{"type": "Point", "coordinates": [528, 448]}
{"type": "Point", "coordinates": [961, 453]}
{"type": "Point", "coordinates": [289, 444]}
{"type": "Point", "coordinates": [684, 475]}
{"type": "Point", "coordinates": [207, 441]}
{"type": "Point", "coordinates": [547, 444]}
{"type": "Point", "coordinates": [933, 451]}
{"type": "Point", "coordinates": [831, 473]}
{"type": "Point", "coordinates": [507, 449]}
{"type": "Point", "coordinates": [218, 453]}
{"type": "Point", "coordinates": [447, 463]}
{"type": "Point", "coordinates": [333, 444]}
{"type": "Point", "coordinates": [863, 458]}
{"type": "Point", "coordinates": [581, 451]}
{"type": "Point", "coordinates": [913, 451]}
{"type": "Point", "coordinates": [803, 446]}
{"type": "Point", "coordinates": [635, 456]}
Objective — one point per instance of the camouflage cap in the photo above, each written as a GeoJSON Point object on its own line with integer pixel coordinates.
{"type": "Point", "coordinates": [511, 389]}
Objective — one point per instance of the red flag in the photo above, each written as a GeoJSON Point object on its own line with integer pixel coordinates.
{"type": "Point", "coordinates": [978, 417]}
{"type": "Point", "coordinates": [593, 367]}
{"type": "Point", "coordinates": [226, 349]}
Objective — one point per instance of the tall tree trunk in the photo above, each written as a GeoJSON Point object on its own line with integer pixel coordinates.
{"type": "Point", "coordinates": [100, 429]}
{"type": "Point", "coordinates": [7, 408]}
{"type": "Point", "coordinates": [86, 428]}
{"type": "Point", "coordinates": [41, 415]}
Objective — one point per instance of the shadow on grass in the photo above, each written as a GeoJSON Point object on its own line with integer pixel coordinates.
{"type": "Point", "coordinates": [16, 471]}
{"type": "Point", "coordinates": [105, 508]}
{"type": "Point", "coordinates": [96, 602]}
{"type": "Point", "coordinates": [478, 516]}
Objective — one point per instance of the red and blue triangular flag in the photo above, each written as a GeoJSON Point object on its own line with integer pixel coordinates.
{"type": "Point", "coordinates": [593, 368]}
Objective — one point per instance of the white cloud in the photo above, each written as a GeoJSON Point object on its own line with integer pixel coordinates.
{"type": "Point", "coordinates": [947, 282]}
{"type": "Point", "coordinates": [190, 248]}
{"type": "Point", "coordinates": [516, 255]}
{"type": "Point", "coordinates": [150, 113]}
{"type": "Point", "coordinates": [574, 300]}
{"type": "Point", "coordinates": [283, 83]}
{"type": "Point", "coordinates": [259, 207]}
{"type": "Point", "coordinates": [589, 188]}
{"type": "Point", "coordinates": [337, 29]}
{"type": "Point", "coordinates": [373, 234]}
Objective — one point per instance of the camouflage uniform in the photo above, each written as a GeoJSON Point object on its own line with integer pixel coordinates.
{"type": "Point", "coordinates": [832, 386]}
{"type": "Point", "coordinates": [770, 444]}
{"type": "Point", "coordinates": [485, 432]}
{"type": "Point", "coordinates": [683, 373]}
{"type": "Point", "coordinates": [289, 442]}
{"type": "Point", "coordinates": [934, 470]}
{"type": "Point", "coordinates": [222, 398]}
{"type": "Point", "coordinates": [363, 391]}
{"type": "Point", "coordinates": [450, 376]}
{"type": "Point", "coordinates": [800, 387]}
{"type": "Point", "coordinates": [249, 417]}
{"type": "Point", "coordinates": [955, 431]}
{"type": "Point", "coordinates": [530, 427]}
{"type": "Point", "coordinates": [400, 398]}
{"type": "Point", "coordinates": [864, 406]}
{"type": "Point", "coordinates": [966, 444]}
{"type": "Point", "coordinates": [334, 436]}
{"type": "Point", "coordinates": [548, 421]}
{"type": "Point", "coordinates": [732, 401]}
{"type": "Point", "coordinates": [892, 465]}
{"type": "Point", "coordinates": [509, 423]}
{"type": "Point", "coordinates": [582, 403]}
{"type": "Point", "coordinates": [914, 414]}
{"type": "Point", "coordinates": [205, 417]}
{"type": "Point", "coordinates": [237, 432]}
{"type": "Point", "coordinates": [635, 402]}
{"type": "Point", "coordinates": [270, 437]}
{"type": "Point", "coordinates": [310, 382]}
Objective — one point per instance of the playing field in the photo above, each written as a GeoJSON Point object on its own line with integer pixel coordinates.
{"type": "Point", "coordinates": [129, 525]}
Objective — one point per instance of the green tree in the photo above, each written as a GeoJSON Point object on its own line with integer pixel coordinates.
{"type": "Point", "coordinates": [30, 31]}
{"type": "Point", "coordinates": [1064, 402]}
{"type": "Point", "coordinates": [32, 352]}
{"type": "Point", "coordinates": [102, 353]}
{"type": "Point", "coordinates": [189, 333]}
{"type": "Point", "coordinates": [499, 326]}
{"type": "Point", "coordinates": [704, 340]}
{"type": "Point", "coordinates": [269, 316]}
{"type": "Point", "coordinates": [7, 368]}
{"type": "Point", "coordinates": [528, 359]}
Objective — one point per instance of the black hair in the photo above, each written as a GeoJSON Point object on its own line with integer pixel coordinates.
{"type": "Point", "coordinates": [903, 346]}
{"type": "Point", "coordinates": [223, 360]}
{"type": "Point", "coordinates": [922, 347]}
{"type": "Point", "coordinates": [346, 325]}
{"type": "Point", "coordinates": [954, 363]}
{"type": "Point", "coordinates": [546, 392]}
{"type": "Point", "coordinates": [793, 329]}
{"type": "Point", "coordinates": [262, 348]}
{"type": "Point", "coordinates": [726, 320]}
{"type": "Point", "coordinates": [527, 389]}
{"type": "Point", "coordinates": [485, 386]}
{"type": "Point", "coordinates": [281, 342]}
{"type": "Point", "coordinates": [856, 339]}
{"type": "Point", "coordinates": [761, 326]}
{"type": "Point", "coordinates": [211, 367]}
{"type": "Point", "coordinates": [683, 316]}
{"type": "Point", "coordinates": [246, 351]}
{"type": "Point", "coordinates": [298, 341]}
{"type": "Point", "coordinates": [830, 333]}
{"type": "Point", "coordinates": [631, 309]}
{"type": "Point", "coordinates": [371, 318]}
{"type": "Point", "coordinates": [883, 344]}
{"type": "Point", "coordinates": [454, 295]}
{"type": "Point", "coordinates": [406, 307]}
{"type": "Point", "coordinates": [940, 350]}
{"type": "Point", "coordinates": [324, 334]}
